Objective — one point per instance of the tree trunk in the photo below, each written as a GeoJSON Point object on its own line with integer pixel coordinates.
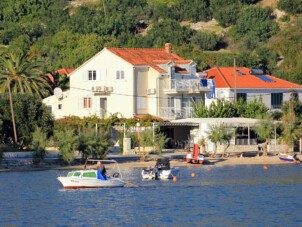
{"type": "Point", "coordinates": [215, 150]}
{"type": "Point", "coordinates": [265, 148]}
{"type": "Point", "coordinates": [224, 150]}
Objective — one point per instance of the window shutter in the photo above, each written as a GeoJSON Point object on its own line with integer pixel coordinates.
{"type": "Point", "coordinates": [122, 75]}
{"type": "Point", "coordinates": [117, 75]}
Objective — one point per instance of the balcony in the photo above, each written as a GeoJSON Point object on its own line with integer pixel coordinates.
{"type": "Point", "coordinates": [176, 113]}
{"type": "Point", "coordinates": [176, 86]}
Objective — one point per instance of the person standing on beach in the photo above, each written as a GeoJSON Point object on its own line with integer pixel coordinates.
{"type": "Point", "coordinates": [101, 171]}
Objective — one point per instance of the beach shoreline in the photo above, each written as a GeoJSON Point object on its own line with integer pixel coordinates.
{"type": "Point", "coordinates": [230, 161]}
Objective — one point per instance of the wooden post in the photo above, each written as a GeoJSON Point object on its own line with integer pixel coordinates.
{"type": "Point", "coordinates": [235, 82]}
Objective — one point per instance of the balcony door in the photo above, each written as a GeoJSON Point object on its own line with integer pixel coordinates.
{"type": "Point", "coordinates": [103, 107]}
{"type": "Point", "coordinates": [141, 92]}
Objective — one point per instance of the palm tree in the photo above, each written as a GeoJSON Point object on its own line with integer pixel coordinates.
{"type": "Point", "coordinates": [227, 135]}
{"type": "Point", "coordinates": [220, 134]}
{"type": "Point", "coordinates": [265, 130]}
{"type": "Point", "coordinates": [290, 125]}
{"type": "Point", "coordinates": [291, 130]}
{"type": "Point", "coordinates": [23, 73]}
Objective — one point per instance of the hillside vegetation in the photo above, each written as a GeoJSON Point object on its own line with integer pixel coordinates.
{"type": "Point", "coordinates": [259, 34]}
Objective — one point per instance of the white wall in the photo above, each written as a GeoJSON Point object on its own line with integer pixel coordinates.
{"type": "Point", "coordinates": [228, 94]}
{"type": "Point", "coordinates": [121, 100]}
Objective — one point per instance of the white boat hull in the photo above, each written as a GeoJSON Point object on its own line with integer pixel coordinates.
{"type": "Point", "coordinates": [73, 182]}
{"type": "Point", "coordinates": [160, 174]}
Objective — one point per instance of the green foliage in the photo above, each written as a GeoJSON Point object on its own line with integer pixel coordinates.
{"type": "Point", "coordinates": [288, 43]}
{"type": "Point", "coordinates": [95, 145]}
{"type": "Point", "coordinates": [297, 108]}
{"type": "Point", "coordinates": [290, 6]}
{"type": "Point", "coordinates": [160, 141]}
{"type": "Point", "coordinates": [225, 12]}
{"type": "Point", "coordinates": [67, 142]}
{"type": "Point", "coordinates": [265, 130]}
{"type": "Point", "coordinates": [23, 73]}
{"type": "Point", "coordinates": [64, 35]}
{"type": "Point", "coordinates": [219, 134]}
{"type": "Point", "coordinates": [205, 40]}
{"type": "Point", "coordinates": [167, 31]}
{"type": "Point", "coordinates": [291, 130]}
{"type": "Point", "coordinates": [256, 21]}
{"type": "Point", "coordinates": [29, 112]}
{"type": "Point", "coordinates": [252, 109]}
{"type": "Point", "coordinates": [146, 139]}
{"type": "Point", "coordinates": [227, 109]}
{"type": "Point", "coordinates": [221, 108]}
{"type": "Point", "coordinates": [39, 144]}
{"type": "Point", "coordinates": [180, 10]}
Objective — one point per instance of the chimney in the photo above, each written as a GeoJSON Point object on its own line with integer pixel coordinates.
{"type": "Point", "coordinates": [168, 48]}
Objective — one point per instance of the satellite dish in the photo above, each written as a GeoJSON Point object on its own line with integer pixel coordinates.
{"type": "Point", "coordinates": [58, 92]}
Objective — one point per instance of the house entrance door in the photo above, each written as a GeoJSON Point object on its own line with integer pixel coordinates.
{"type": "Point", "coordinates": [103, 107]}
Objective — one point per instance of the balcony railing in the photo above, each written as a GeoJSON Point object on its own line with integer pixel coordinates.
{"type": "Point", "coordinates": [176, 113]}
{"type": "Point", "coordinates": [187, 85]}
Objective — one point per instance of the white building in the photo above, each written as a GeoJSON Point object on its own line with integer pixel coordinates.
{"type": "Point", "coordinates": [139, 81]}
{"type": "Point", "coordinates": [249, 84]}
{"type": "Point", "coordinates": [132, 81]}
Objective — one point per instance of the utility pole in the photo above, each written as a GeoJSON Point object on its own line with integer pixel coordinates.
{"type": "Point", "coordinates": [12, 110]}
{"type": "Point", "coordinates": [104, 8]}
{"type": "Point", "coordinates": [235, 82]}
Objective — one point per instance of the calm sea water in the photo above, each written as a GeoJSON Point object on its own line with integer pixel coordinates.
{"type": "Point", "coordinates": [220, 196]}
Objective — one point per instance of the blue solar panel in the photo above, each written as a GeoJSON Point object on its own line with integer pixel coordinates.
{"type": "Point", "coordinates": [239, 71]}
{"type": "Point", "coordinates": [265, 78]}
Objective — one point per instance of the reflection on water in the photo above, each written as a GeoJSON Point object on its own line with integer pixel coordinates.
{"type": "Point", "coordinates": [220, 196]}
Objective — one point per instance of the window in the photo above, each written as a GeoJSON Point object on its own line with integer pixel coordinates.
{"type": "Point", "coordinates": [295, 95]}
{"type": "Point", "coordinates": [276, 100]}
{"type": "Point", "coordinates": [60, 106]}
{"type": "Point", "coordinates": [91, 75]}
{"type": "Point", "coordinates": [141, 102]}
{"type": "Point", "coordinates": [120, 75]}
{"type": "Point", "coordinates": [87, 102]}
{"type": "Point", "coordinates": [171, 102]}
{"type": "Point", "coordinates": [241, 96]}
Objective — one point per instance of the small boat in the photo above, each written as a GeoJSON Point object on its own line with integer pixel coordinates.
{"type": "Point", "coordinates": [194, 157]}
{"type": "Point", "coordinates": [88, 178]}
{"type": "Point", "coordinates": [289, 158]}
{"type": "Point", "coordinates": [160, 171]}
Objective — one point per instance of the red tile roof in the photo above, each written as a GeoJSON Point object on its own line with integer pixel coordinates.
{"type": "Point", "coordinates": [224, 78]}
{"type": "Point", "coordinates": [50, 77]}
{"type": "Point", "coordinates": [65, 71]}
{"type": "Point", "coordinates": [147, 56]}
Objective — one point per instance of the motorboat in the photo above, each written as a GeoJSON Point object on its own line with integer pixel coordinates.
{"type": "Point", "coordinates": [289, 158]}
{"type": "Point", "coordinates": [88, 178]}
{"type": "Point", "coordinates": [161, 170]}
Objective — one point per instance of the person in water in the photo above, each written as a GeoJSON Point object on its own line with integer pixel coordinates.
{"type": "Point", "coordinates": [101, 171]}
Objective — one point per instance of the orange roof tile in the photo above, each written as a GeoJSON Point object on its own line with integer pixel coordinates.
{"type": "Point", "coordinates": [50, 77]}
{"type": "Point", "coordinates": [146, 56]}
{"type": "Point", "coordinates": [224, 78]}
{"type": "Point", "coordinates": [65, 71]}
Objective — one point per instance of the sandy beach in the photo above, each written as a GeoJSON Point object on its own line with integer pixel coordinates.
{"type": "Point", "coordinates": [262, 160]}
